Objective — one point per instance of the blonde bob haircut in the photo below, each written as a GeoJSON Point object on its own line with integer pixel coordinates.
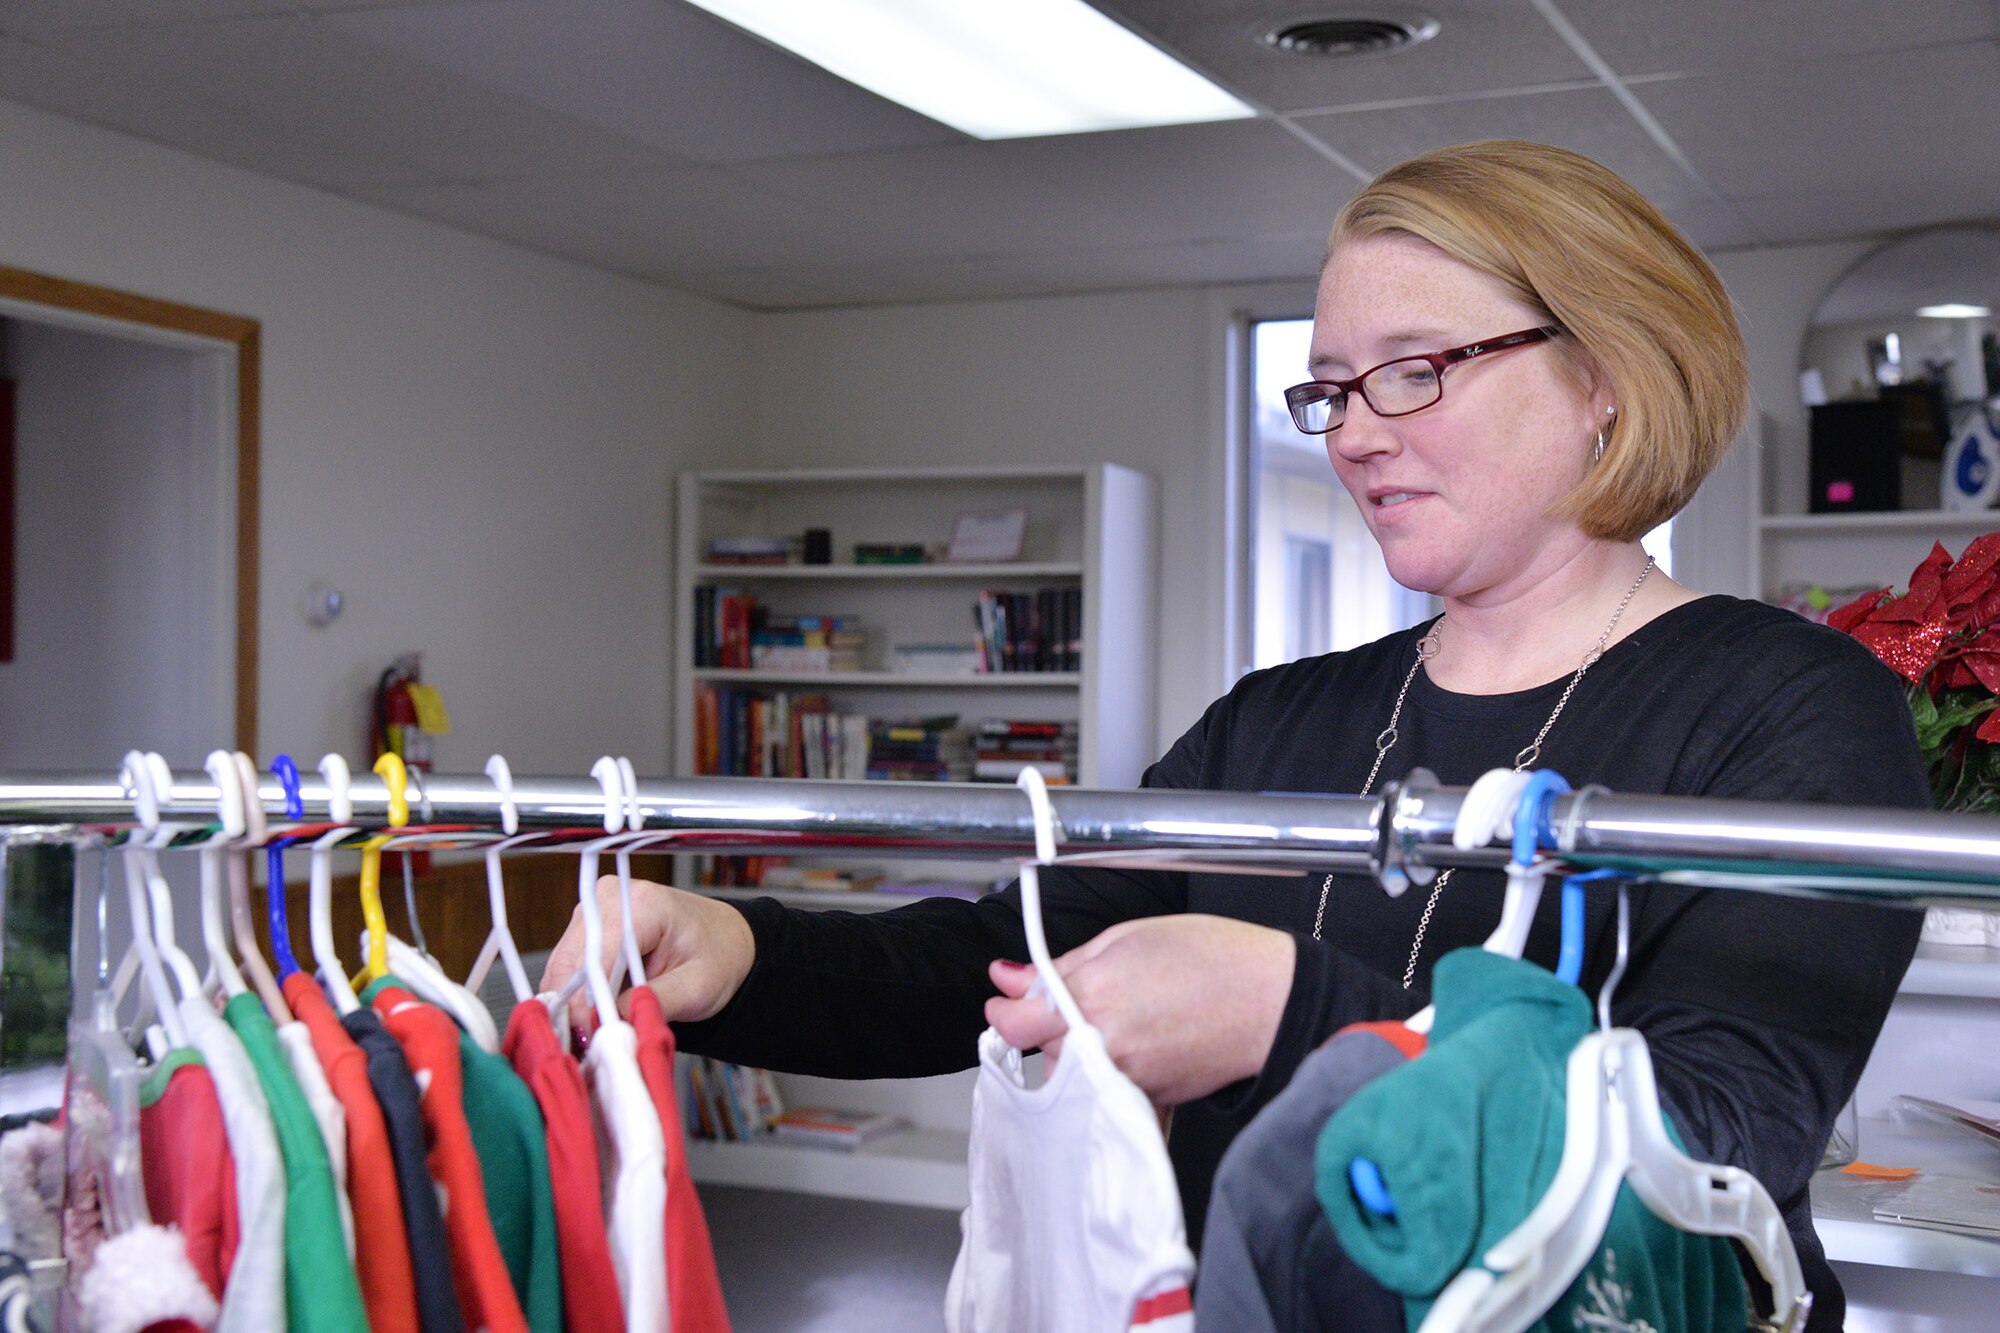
{"type": "Point", "coordinates": [1646, 313]}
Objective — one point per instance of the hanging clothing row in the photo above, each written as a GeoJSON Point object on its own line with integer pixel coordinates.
{"type": "Point", "coordinates": [1547, 1183]}
{"type": "Point", "coordinates": [296, 1153]}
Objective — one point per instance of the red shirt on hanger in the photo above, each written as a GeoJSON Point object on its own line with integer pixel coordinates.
{"type": "Point", "coordinates": [190, 1178]}
{"type": "Point", "coordinates": [381, 1243]}
{"type": "Point", "coordinates": [430, 1042]}
{"type": "Point", "coordinates": [590, 1282]}
{"type": "Point", "coordinates": [694, 1292]}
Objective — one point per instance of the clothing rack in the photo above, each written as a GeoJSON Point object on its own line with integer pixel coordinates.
{"type": "Point", "coordinates": [1402, 836]}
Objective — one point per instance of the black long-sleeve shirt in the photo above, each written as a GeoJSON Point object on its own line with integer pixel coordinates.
{"type": "Point", "coordinates": [1759, 1009]}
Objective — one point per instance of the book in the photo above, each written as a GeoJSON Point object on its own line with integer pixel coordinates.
{"type": "Point", "coordinates": [890, 553]}
{"type": "Point", "coordinates": [824, 1127]}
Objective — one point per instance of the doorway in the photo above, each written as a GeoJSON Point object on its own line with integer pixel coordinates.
{"type": "Point", "coordinates": [132, 536]}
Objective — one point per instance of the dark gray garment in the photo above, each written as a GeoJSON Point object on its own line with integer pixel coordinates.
{"type": "Point", "coordinates": [1269, 1260]}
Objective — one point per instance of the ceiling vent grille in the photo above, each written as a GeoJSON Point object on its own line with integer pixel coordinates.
{"type": "Point", "coordinates": [1351, 36]}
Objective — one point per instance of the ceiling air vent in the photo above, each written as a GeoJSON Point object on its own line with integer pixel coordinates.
{"type": "Point", "coordinates": [1351, 36]}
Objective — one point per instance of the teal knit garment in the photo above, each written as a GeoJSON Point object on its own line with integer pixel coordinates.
{"type": "Point", "coordinates": [1467, 1138]}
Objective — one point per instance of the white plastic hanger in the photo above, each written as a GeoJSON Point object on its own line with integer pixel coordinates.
{"type": "Point", "coordinates": [1487, 811]}
{"type": "Point", "coordinates": [617, 773]}
{"type": "Point", "coordinates": [153, 958]}
{"type": "Point", "coordinates": [1046, 978]}
{"type": "Point", "coordinates": [243, 926]}
{"type": "Point", "coordinates": [500, 940]}
{"type": "Point", "coordinates": [319, 908]}
{"type": "Point", "coordinates": [1614, 1132]}
{"type": "Point", "coordinates": [592, 973]}
{"type": "Point", "coordinates": [635, 821]}
{"type": "Point", "coordinates": [223, 974]}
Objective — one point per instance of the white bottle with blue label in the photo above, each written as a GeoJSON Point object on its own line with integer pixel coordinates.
{"type": "Point", "coordinates": [1972, 462]}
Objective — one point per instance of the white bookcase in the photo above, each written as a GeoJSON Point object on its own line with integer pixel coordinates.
{"type": "Point", "coordinates": [1091, 527]}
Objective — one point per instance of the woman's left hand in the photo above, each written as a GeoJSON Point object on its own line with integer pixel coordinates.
{"type": "Point", "coordinates": [1187, 1004]}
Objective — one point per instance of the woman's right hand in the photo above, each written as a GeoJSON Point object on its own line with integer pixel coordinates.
{"type": "Point", "coordinates": [696, 950]}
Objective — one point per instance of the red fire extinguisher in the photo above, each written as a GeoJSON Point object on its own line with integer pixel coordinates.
{"type": "Point", "coordinates": [404, 715]}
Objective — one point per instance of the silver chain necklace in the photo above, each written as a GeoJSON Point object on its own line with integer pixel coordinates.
{"type": "Point", "coordinates": [1427, 648]}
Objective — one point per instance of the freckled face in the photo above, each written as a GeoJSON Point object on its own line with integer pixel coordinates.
{"type": "Point", "coordinates": [1459, 493]}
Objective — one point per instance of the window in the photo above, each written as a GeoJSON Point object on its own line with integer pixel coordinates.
{"type": "Point", "coordinates": [1308, 597]}
{"type": "Point", "coordinates": [1318, 581]}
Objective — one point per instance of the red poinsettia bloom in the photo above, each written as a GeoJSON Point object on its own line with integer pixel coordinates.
{"type": "Point", "coordinates": [1944, 632]}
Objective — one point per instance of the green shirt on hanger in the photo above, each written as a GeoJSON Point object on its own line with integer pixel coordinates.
{"type": "Point", "coordinates": [322, 1292]}
{"type": "Point", "coordinates": [1468, 1137]}
{"type": "Point", "coordinates": [510, 1141]}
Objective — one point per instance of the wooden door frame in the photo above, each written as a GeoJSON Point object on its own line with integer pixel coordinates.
{"type": "Point", "coordinates": [240, 332]}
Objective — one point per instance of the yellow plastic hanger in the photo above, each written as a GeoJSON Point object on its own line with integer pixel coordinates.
{"type": "Point", "coordinates": [390, 769]}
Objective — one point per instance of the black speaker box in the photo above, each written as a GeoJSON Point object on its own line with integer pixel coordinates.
{"type": "Point", "coordinates": [1857, 453]}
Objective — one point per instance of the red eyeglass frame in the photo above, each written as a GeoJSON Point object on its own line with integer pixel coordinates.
{"type": "Point", "coordinates": [1438, 361]}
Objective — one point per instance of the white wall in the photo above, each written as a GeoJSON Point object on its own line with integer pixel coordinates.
{"type": "Point", "coordinates": [1127, 378]}
{"type": "Point", "coordinates": [473, 442]}
{"type": "Point", "coordinates": [123, 618]}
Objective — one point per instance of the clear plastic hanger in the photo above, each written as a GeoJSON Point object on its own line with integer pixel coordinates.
{"type": "Point", "coordinates": [243, 926]}
{"type": "Point", "coordinates": [1614, 1133]}
{"type": "Point", "coordinates": [319, 907]}
{"type": "Point", "coordinates": [100, 1061]}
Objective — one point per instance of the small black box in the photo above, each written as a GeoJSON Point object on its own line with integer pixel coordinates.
{"type": "Point", "coordinates": [819, 546]}
{"type": "Point", "coordinates": [1857, 451]}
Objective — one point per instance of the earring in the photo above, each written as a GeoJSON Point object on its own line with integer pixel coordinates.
{"type": "Point", "coordinates": [1603, 433]}
{"type": "Point", "coordinates": [1599, 453]}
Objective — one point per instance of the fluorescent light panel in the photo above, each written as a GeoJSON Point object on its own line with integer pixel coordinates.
{"type": "Point", "coordinates": [1953, 310]}
{"type": "Point", "coordinates": [996, 69]}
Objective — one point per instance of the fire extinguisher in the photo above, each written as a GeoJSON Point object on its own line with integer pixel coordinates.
{"type": "Point", "coordinates": [404, 715]}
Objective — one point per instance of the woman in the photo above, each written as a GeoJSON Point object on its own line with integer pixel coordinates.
{"type": "Point", "coordinates": [1519, 368]}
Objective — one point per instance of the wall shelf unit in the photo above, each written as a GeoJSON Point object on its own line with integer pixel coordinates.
{"type": "Point", "coordinates": [1090, 528]}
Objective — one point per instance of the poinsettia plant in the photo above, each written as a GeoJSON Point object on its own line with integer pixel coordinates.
{"type": "Point", "coordinates": [1943, 637]}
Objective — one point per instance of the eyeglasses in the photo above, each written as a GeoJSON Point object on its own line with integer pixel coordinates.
{"type": "Point", "coordinates": [1395, 388]}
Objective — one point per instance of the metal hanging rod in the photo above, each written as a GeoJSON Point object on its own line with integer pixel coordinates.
{"type": "Point", "coordinates": [1402, 836]}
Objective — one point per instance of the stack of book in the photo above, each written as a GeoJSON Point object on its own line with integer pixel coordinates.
{"type": "Point", "coordinates": [754, 734]}
{"type": "Point", "coordinates": [842, 1131]}
{"type": "Point", "coordinates": [726, 1102]}
{"type": "Point", "coordinates": [732, 629]}
{"type": "Point", "coordinates": [749, 550]}
{"type": "Point", "coordinates": [779, 873]}
{"type": "Point", "coordinates": [1005, 747]}
{"type": "Point", "coordinates": [1030, 631]}
{"type": "Point", "coordinates": [920, 749]}
{"type": "Point", "coordinates": [805, 643]}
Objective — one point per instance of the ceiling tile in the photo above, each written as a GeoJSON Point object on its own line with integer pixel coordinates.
{"type": "Point", "coordinates": [1480, 46]}
{"type": "Point", "coordinates": [1590, 121]}
{"type": "Point", "coordinates": [1645, 36]}
{"type": "Point", "coordinates": [54, 15]}
{"type": "Point", "coordinates": [1903, 124]}
{"type": "Point", "coordinates": [656, 224]}
{"type": "Point", "coordinates": [1195, 182]}
{"type": "Point", "coordinates": [653, 72]}
{"type": "Point", "coordinates": [298, 99]}
{"type": "Point", "coordinates": [1865, 208]}
{"type": "Point", "coordinates": [1175, 183]}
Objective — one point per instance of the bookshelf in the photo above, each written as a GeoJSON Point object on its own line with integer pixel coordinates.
{"type": "Point", "coordinates": [1091, 528]}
